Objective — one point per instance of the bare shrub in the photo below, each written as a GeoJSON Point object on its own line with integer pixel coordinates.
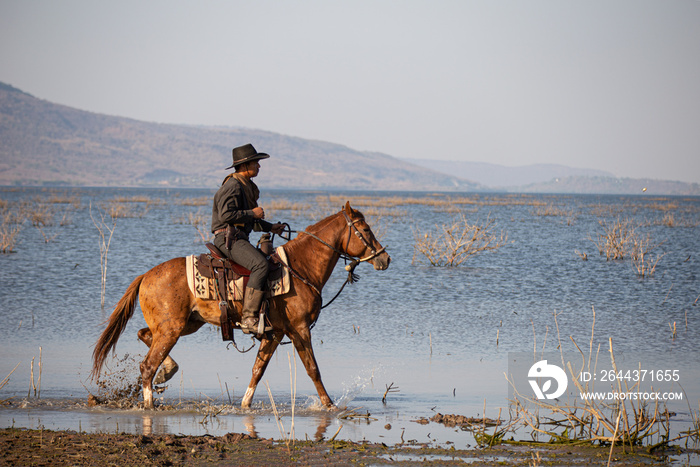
{"type": "Point", "coordinates": [42, 217]}
{"type": "Point", "coordinates": [8, 236]}
{"type": "Point", "coordinates": [643, 258]}
{"type": "Point", "coordinates": [621, 239]}
{"type": "Point", "coordinates": [10, 226]}
{"type": "Point", "coordinates": [615, 239]}
{"type": "Point", "coordinates": [451, 245]}
{"type": "Point", "coordinates": [106, 230]}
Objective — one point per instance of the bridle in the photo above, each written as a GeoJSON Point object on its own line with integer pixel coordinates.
{"type": "Point", "coordinates": [352, 277]}
{"type": "Point", "coordinates": [346, 256]}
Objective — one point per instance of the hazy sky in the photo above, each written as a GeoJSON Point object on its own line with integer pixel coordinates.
{"type": "Point", "coordinates": [611, 85]}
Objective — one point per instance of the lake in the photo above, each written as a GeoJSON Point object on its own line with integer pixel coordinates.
{"type": "Point", "coordinates": [444, 336]}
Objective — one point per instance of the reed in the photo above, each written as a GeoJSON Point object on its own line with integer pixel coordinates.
{"type": "Point", "coordinates": [626, 422]}
{"type": "Point", "coordinates": [41, 217]}
{"type": "Point", "coordinates": [201, 223]}
{"type": "Point", "coordinates": [201, 201]}
{"type": "Point", "coordinates": [642, 254]}
{"type": "Point", "coordinates": [120, 209]}
{"type": "Point", "coordinates": [62, 198]}
{"type": "Point", "coordinates": [7, 380]}
{"type": "Point", "coordinates": [390, 388]}
{"type": "Point", "coordinates": [288, 438]}
{"type": "Point", "coordinates": [9, 233]}
{"type": "Point", "coordinates": [106, 231]}
{"type": "Point", "coordinates": [278, 417]}
{"type": "Point", "coordinates": [137, 199]}
{"type": "Point", "coordinates": [35, 386]}
{"type": "Point", "coordinates": [550, 209]}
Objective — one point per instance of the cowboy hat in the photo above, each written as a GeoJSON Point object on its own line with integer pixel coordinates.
{"type": "Point", "coordinates": [246, 153]}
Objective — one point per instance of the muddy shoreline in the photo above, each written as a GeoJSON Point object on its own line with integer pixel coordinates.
{"type": "Point", "coordinates": [61, 447]}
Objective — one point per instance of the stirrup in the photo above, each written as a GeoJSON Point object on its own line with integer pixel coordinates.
{"type": "Point", "coordinates": [261, 327]}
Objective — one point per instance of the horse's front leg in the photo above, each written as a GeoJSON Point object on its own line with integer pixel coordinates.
{"type": "Point", "coordinates": [265, 352]}
{"type": "Point", "coordinates": [302, 342]}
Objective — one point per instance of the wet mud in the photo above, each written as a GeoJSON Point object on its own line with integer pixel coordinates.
{"type": "Point", "coordinates": [62, 448]}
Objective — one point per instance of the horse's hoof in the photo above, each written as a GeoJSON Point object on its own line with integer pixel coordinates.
{"type": "Point", "coordinates": [165, 374]}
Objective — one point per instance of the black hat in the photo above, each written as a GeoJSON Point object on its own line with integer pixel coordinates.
{"type": "Point", "coordinates": [246, 153]}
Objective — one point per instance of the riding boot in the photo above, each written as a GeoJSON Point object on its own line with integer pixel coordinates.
{"type": "Point", "coordinates": [251, 308]}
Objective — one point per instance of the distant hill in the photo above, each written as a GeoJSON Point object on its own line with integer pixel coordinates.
{"type": "Point", "coordinates": [42, 143]}
{"type": "Point", "coordinates": [500, 176]}
{"type": "Point", "coordinates": [46, 143]}
{"type": "Point", "coordinates": [612, 185]}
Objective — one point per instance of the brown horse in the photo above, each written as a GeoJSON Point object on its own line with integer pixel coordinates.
{"type": "Point", "coordinates": [171, 310]}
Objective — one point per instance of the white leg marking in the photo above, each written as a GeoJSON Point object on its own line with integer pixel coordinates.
{"type": "Point", "coordinates": [248, 397]}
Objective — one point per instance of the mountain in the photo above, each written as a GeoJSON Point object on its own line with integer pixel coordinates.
{"type": "Point", "coordinates": [500, 176]}
{"type": "Point", "coordinates": [46, 143]}
{"type": "Point", "coordinates": [42, 143]}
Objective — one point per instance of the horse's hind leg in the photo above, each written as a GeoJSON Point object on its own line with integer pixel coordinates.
{"type": "Point", "coordinates": [160, 348]}
{"type": "Point", "coordinates": [265, 352]}
{"type": "Point", "coordinates": [169, 366]}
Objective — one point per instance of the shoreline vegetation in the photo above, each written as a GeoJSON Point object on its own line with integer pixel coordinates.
{"type": "Point", "coordinates": [593, 434]}
{"type": "Point", "coordinates": [61, 447]}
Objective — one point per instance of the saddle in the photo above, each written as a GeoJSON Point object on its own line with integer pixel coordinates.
{"type": "Point", "coordinates": [213, 276]}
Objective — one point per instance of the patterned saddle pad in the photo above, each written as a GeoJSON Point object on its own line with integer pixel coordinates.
{"type": "Point", "coordinates": [205, 288]}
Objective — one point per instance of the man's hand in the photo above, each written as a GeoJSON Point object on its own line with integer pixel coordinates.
{"type": "Point", "coordinates": [277, 228]}
{"type": "Point", "coordinates": [258, 213]}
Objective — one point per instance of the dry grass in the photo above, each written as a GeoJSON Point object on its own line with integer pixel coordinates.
{"type": "Point", "coordinates": [550, 209]}
{"type": "Point", "coordinates": [669, 219]}
{"type": "Point", "coordinates": [138, 199]}
{"type": "Point", "coordinates": [626, 421]}
{"type": "Point", "coordinates": [436, 200]}
{"type": "Point", "coordinates": [117, 208]}
{"type": "Point", "coordinates": [201, 201]}
{"type": "Point", "coordinates": [72, 200]}
{"type": "Point", "coordinates": [200, 221]}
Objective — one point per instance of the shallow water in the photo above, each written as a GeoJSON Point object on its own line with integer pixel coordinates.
{"type": "Point", "coordinates": [441, 335]}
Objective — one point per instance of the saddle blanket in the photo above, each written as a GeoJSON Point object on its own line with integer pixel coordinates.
{"type": "Point", "coordinates": [205, 288]}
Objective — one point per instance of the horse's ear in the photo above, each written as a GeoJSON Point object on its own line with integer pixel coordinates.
{"type": "Point", "coordinates": [348, 209]}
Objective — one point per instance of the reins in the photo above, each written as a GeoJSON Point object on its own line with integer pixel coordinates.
{"type": "Point", "coordinates": [352, 277]}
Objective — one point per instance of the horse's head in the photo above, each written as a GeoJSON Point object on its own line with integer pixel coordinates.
{"type": "Point", "coordinates": [361, 242]}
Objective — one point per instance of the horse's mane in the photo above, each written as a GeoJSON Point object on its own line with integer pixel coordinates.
{"type": "Point", "coordinates": [313, 228]}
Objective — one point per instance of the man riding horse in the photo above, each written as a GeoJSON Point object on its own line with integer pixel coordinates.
{"type": "Point", "coordinates": [235, 213]}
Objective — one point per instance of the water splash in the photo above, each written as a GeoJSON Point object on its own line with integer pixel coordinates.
{"type": "Point", "coordinates": [360, 384]}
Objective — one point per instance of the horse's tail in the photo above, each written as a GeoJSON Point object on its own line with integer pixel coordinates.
{"type": "Point", "coordinates": [115, 327]}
